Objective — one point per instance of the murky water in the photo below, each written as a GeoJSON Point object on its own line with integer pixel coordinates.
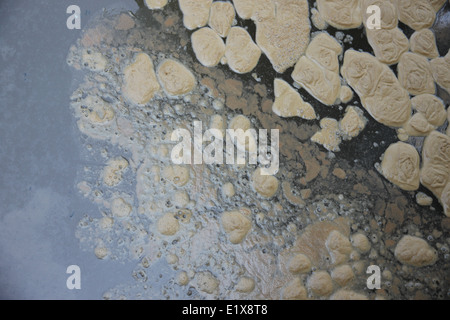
{"type": "Point", "coordinates": [320, 194]}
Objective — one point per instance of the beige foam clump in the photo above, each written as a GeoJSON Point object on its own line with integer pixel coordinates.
{"type": "Point", "coordinates": [94, 61]}
{"type": "Point", "coordinates": [317, 72]}
{"type": "Point", "coordinates": [359, 267]}
{"type": "Point", "coordinates": [396, 109]}
{"type": "Point", "coordinates": [125, 22]}
{"type": "Point", "coordinates": [355, 255]}
{"type": "Point", "coordinates": [440, 68]}
{"type": "Point", "coordinates": [417, 14]}
{"type": "Point", "coordinates": [182, 278]}
{"type": "Point", "coordinates": [380, 92]}
{"type": "Point", "coordinates": [265, 185]}
{"type": "Point", "coordinates": [431, 107]}
{"type": "Point", "coordinates": [245, 285]}
{"type": "Point", "coordinates": [244, 8]}
{"type": "Point", "coordinates": [106, 222]}
{"type": "Point", "coordinates": [338, 172]}
{"type": "Point", "coordinates": [228, 190]}
{"type": "Point", "coordinates": [264, 10]}
{"type": "Point", "coordinates": [312, 241]}
{"type": "Point", "coordinates": [195, 13]}
{"type": "Point", "coordinates": [401, 165]}
{"type": "Point", "coordinates": [341, 14]}
{"type": "Point", "coordinates": [217, 122]}
{"type": "Point", "coordinates": [168, 225]}
{"type": "Point", "coordinates": [445, 199]}
{"type": "Point", "coordinates": [320, 283]}
{"type": "Point", "coordinates": [415, 252]}
{"type": "Point", "coordinates": [344, 294]}
{"type": "Point", "coordinates": [175, 78]}
{"type": "Point", "coordinates": [243, 141]}
{"type": "Point", "coordinates": [178, 175]}
{"type": "Point", "coordinates": [207, 282]}
{"type": "Point", "coordinates": [172, 258]}
{"type": "Point", "coordinates": [112, 173]}
{"type": "Point", "coordinates": [317, 19]}
{"type": "Point", "coordinates": [299, 263]}
{"type": "Point", "coordinates": [414, 74]}
{"type": "Point", "coordinates": [98, 111]}
{"type": "Point", "coordinates": [241, 53]}
{"type": "Point", "coordinates": [448, 120]}
{"type": "Point", "coordinates": [424, 42]}
{"type": "Point", "coordinates": [329, 136]}
{"type": "Point", "coordinates": [183, 215]}
{"type": "Point", "coordinates": [282, 28]}
{"type": "Point", "coordinates": [346, 94]}
{"type": "Point", "coordinates": [295, 290]}
{"type": "Point", "coordinates": [101, 252]}
{"type": "Point", "coordinates": [423, 199]}
{"type": "Point", "coordinates": [140, 82]}
{"type": "Point", "coordinates": [435, 172]}
{"type": "Point", "coordinates": [155, 4]}
{"type": "Point", "coordinates": [342, 275]}
{"type": "Point", "coordinates": [321, 83]}
{"type": "Point", "coordinates": [120, 208]}
{"type": "Point", "coordinates": [418, 126]}
{"type": "Point", "coordinates": [290, 196]}
{"type": "Point", "coordinates": [339, 247]}
{"type": "Point", "coordinates": [437, 4]}
{"type": "Point", "coordinates": [180, 199]}
{"type": "Point", "coordinates": [208, 46]}
{"type": "Point", "coordinates": [236, 225]}
{"type": "Point", "coordinates": [362, 71]}
{"type": "Point", "coordinates": [360, 242]}
{"type": "Point", "coordinates": [240, 122]}
{"type": "Point", "coordinates": [402, 135]}
{"type": "Point", "coordinates": [388, 44]}
{"type": "Point", "coordinates": [325, 50]}
{"type": "Point", "coordinates": [430, 115]}
{"type": "Point", "coordinates": [289, 103]}
{"type": "Point", "coordinates": [221, 17]}
{"type": "Point", "coordinates": [352, 123]}
{"type": "Point", "coordinates": [282, 34]}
